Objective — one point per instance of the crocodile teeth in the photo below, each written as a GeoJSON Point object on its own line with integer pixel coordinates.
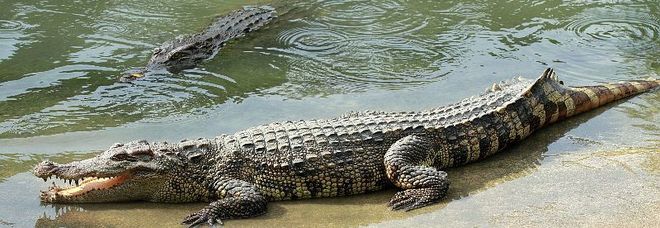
{"type": "Point", "coordinates": [83, 186]}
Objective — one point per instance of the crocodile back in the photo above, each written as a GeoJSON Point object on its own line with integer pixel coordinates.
{"type": "Point", "coordinates": [238, 23]}
{"type": "Point", "coordinates": [344, 155]}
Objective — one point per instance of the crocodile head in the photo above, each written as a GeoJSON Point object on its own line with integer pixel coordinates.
{"type": "Point", "coordinates": [134, 171]}
{"type": "Point", "coordinates": [173, 56]}
{"type": "Point", "coordinates": [181, 53]}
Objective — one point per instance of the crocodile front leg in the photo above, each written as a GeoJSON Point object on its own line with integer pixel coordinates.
{"type": "Point", "coordinates": [408, 165]}
{"type": "Point", "coordinates": [239, 199]}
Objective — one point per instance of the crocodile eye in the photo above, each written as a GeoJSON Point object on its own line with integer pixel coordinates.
{"type": "Point", "coordinates": [157, 50]}
{"type": "Point", "coordinates": [178, 55]}
{"type": "Point", "coordinates": [117, 145]}
{"type": "Point", "coordinates": [143, 155]}
{"type": "Point", "coordinates": [119, 157]}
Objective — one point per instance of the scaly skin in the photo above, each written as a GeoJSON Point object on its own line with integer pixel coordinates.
{"type": "Point", "coordinates": [352, 154]}
{"type": "Point", "coordinates": [188, 51]}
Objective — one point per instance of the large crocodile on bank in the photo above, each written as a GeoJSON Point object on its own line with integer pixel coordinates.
{"type": "Point", "coordinates": [352, 154]}
{"type": "Point", "coordinates": [187, 51]}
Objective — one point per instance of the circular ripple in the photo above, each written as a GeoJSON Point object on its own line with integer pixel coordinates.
{"type": "Point", "coordinates": [604, 42]}
{"type": "Point", "coordinates": [314, 40]}
{"type": "Point", "coordinates": [389, 63]}
{"type": "Point", "coordinates": [111, 28]}
{"type": "Point", "coordinates": [360, 11]}
{"type": "Point", "coordinates": [614, 29]}
{"type": "Point", "coordinates": [354, 45]}
{"type": "Point", "coordinates": [371, 18]}
{"type": "Point", "coordinates": [6, 25]}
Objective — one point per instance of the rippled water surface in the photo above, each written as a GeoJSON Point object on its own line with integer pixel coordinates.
{"type": "Point", "coordinates": [60, 99]}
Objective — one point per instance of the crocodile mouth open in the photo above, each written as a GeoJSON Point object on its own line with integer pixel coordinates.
{"type": "Point", "coordinates": [82, 186]}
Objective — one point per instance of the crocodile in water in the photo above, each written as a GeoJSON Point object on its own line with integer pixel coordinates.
{"type": "Point", "coordinates": [187, 51]}
{"type": "Point", "coordinates": [352, 154]}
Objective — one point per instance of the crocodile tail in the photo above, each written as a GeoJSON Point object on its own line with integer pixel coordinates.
{"type": "Point", "coordinates": [558, 102]}
{"type": "Point", "coordinates": [585, 98]}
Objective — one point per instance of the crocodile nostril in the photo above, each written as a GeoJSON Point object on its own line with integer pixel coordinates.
{"type": "Point", "coordinates": [45, 168]}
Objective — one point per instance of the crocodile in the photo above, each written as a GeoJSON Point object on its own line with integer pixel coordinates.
{"type": "Point", "coordinates": [185, 52]}
{"type": "Point", "coordinates": [355, 153]}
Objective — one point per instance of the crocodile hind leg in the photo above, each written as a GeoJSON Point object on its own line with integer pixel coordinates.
{"type": "Point", "coordinates": [408, 165]}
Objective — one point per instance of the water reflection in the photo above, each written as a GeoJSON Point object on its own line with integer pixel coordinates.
{"type": "Point", "coordinates": [11, 37]}
{"type": "Point", "coordinates": [13, 164]}
{"type": "Point", "coordinates": [646, 110]}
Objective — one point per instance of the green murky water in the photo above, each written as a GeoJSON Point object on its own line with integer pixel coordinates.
{"type": "Point", "coordinates": [59, 100]}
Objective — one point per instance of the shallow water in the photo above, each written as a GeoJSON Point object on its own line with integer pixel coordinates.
{"type": "Point", "coordinates": [59, 100]}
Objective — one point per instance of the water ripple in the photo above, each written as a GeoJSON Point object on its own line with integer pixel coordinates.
{"type": "Point", "coordinates": [371, 18]}
{"type": "Point", "coordinates": [12, 34]}
{"type": "Point", "coordinates": [350, 46]}
{"type": "Point", "coordinates": [8, 26]}
{"type": "Point", "coordinates": [111, 28]}
{"type": "Point", "coordinates": [614, 29]}
{"type": "Point", "coordinates": [137, 12]}
{"type": "Point", "coordinates": [322, 41]}
{"type": "Point", "coordinates": [145, 100]}
{"type": "Point", "coordinates": [609, 38]}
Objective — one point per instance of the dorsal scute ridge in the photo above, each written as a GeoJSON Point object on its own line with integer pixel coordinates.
{"type": "Point", "coordinates": [468, 109]}
{"type": "Point", "coordinates": [507, 92]}
{"type": "Point", "coordinates": [353, 114]}
{"type": "Point", "coordinates": [548, 76]}
{"type": "Point", "coordinates": [503, 85]}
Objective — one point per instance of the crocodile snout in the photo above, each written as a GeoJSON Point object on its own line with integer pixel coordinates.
{"type": "Point", "coordinates": [45, 169]}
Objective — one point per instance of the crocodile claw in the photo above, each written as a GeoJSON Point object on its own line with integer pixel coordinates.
{"type": "Point", "coordinates": [411, 199]}
{"type": "Point", "coordinates": [205, 215]}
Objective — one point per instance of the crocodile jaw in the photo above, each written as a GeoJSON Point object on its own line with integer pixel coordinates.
{"type": "Point", "coordinates": [88, 184]}
{"type": "Point", "coordinates": [77, 192]}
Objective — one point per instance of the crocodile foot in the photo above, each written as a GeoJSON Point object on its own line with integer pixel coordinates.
{"type": "Point", "coordinates": [411, 199]}
{"type": "Point", "coordinates": [205, 215]}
